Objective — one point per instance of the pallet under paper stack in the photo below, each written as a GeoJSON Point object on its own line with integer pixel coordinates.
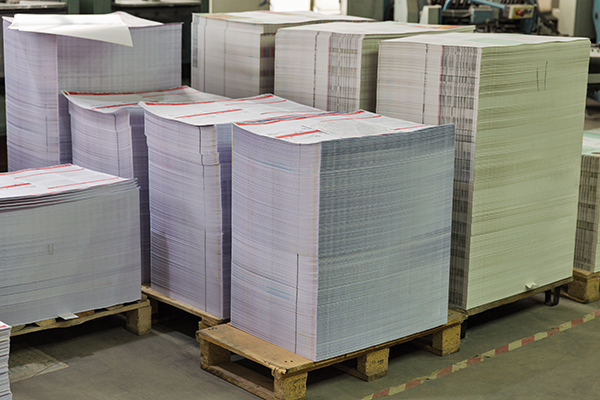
{"type": "Point", "coordinates": [5, 393]}
{"type": "Point", "coordinates": [517, 102]}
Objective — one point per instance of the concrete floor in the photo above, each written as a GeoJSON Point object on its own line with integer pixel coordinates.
{"type": "Point", "coordinates": [101, 360]}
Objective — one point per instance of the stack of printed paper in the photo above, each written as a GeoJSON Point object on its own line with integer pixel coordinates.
{"type": "Point", "coordinates": [334, 66]}
{"type": "Point", "coordinates": [70, 242]}
{"type": "Point", "coordinates": [233, 54]}
{"type": "Point", "coordinates": [45, 54]}
{"type": "Point", "coordinates": [189, 165]}
{"type": "Point", "coordinates": [5, 393]}
{"type": "Point", "coordinates": [107, 131]}
{"type": "Point", "coordinates": [341, 230]}
{"type": "Point", "coordinates": [518, 103]}
{"type": "Point", "coordinates": [588, 215]}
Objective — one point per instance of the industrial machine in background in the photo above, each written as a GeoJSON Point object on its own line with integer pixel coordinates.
{"type": "Point", "coordinates": [516, 16]}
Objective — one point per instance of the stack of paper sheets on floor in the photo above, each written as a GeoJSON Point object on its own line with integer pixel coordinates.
{"type": "Point", "coordinates": [69, 242]}
{"type": "Point", "coordinates": [5, 393]}
{"type": "Point", "coordinates": [518, 104]}
{"type": "Point", "coordinates": [334, 66]}
{"type": "Point", "coordinates": [189, 165]}
{"type": "Point", "coordinates": [341, 230]}
{"type": "Point", "coordinates": [588, 215]}
{"type": "Point", "coordinates": [233, 53]}
{"type": "Point", "coordinates": [38, 66]}
{"type": "Point", "coordinates": [107, 131]}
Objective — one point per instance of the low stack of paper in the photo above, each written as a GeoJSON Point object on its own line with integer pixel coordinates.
{"type": "Point", "coordinates": [45, 54]}
{"type": "Point", "coordinates": [518, 103]}
{"type": "Point", "coordinates": [5, 393]}
{"type": "Point", "coordinates": [189, 165]}
{"type": "Point", "coordinates": [69, 242]}
{"type": "Point", "coordinates": [233, 54]}
{"type": "Point", "coordinates": [588, 215]}
{"type": "Point", "coordinates": [341, 230]}
{"type": "Point", "coordinates": [334, 66]}
{"type": "Point", "coordinates": [107, 132]}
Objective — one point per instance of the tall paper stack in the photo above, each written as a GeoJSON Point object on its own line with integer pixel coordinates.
{"type": "Point", "coordinates": [233, 54]}
{"type": "Point", "coordinates": [95, 56]}
{"type": "Point", "coordinates": [517, 102]}
{"type": "Point", "coordinates": [69, 242]}
{"type": "Point", "coordinates": [5, 393]}
{"type": "Point", "coordinates": [588, 215]}
{"type": "Point", "coordinates": [189, 165]}
{"type": "Point", "coordinates": [107, 132]}
{"type": "Point", "coordinates": [334, 66]}
{"type": "Point", "coordinates": [341, 230]}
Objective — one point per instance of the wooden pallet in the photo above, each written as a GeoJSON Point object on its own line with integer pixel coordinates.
{"type": "Point", "coordinates": [552, 288]}
{"type": "Point", "coordinates": [206, 319]}
{"type": "Point", "coordinates": [138, 319]}
{"type": "Point", "coordinates": [585, 287]}
{"type": "Point", "coordinates": [290, 370]}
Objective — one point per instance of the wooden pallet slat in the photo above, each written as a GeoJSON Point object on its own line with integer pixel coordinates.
{"type": "Point", "coordinates": [137, 314]}
{"type": "Point", "coordinates": [207, 319]}
{"type": "Point", "coordinates": [519, 296]}
{"type": "Point", "coordinates": [289, 370]}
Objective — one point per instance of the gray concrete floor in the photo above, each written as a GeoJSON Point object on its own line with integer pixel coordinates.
{"type": "Point", "coordinates": [107, 362]}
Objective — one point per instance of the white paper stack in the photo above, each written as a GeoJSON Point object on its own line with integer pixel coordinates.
{"type": "Point", "coordinates": [340, 230]}
{"type": "Point", "coordinates": [5, 393]}
{"type": "Point", "coordinates": [518, 105]}
{"type": "Point", "coordinates": [233, 54]}
{"type": "Point", "coordinates": [334, 66]}
{"type": "Point", "coordinates": [80, 53]}
{"type": "Point", "coordinates": [69, 242]}
{"type": "Point", "coordinates": [189, 165]}
{"type": "Point", "coordinates": [588, 215]}
{"type": "Point", "coordinates": [107, 132]}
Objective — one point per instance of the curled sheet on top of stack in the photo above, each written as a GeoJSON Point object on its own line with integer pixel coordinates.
{"type": "Point", "coordinates": [518, 104]}
{"type": "Point", "coordinates": [107, 132]}
{"type": "Point", "coordinates": [69, 242]}
{"type": "Point", "coordinates": [340, 230]}
{"type": "Point", "coordinates": [189, 165]}
{"type": "Point", "coordinates": [334, 66]}
{"type": "Point", "coordinates": [233, 53]}
{"type": "Point", "coordinates": [46, 54]}
{"type": "Point", "coordinates": [588, 214]}
{"type": "Point", "coordinates": [5, 393]}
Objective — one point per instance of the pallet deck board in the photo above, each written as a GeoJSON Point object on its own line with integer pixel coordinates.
{"type": "Point", "coordinates": [290, 370]}
{"type": "Point", "coordinates": [207, 319]}
{"type": "Point", "coordinates": [516, 297]}
{"type": "Point", "coordinates": [138, 319]}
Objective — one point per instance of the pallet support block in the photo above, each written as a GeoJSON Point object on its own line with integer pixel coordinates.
{"type": "Point", "coordinates": [212, 355]}
{"type": "Point", "coordinates": [289, 387]}
{"type": "Point", "coordinates": [585, 287]}
{"type": "Point", "coordinates": [139, 321]}
{"type": "Point", "coordinates": [446, 341]}
{"type": "Point", "coordinates": [373, 365]}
